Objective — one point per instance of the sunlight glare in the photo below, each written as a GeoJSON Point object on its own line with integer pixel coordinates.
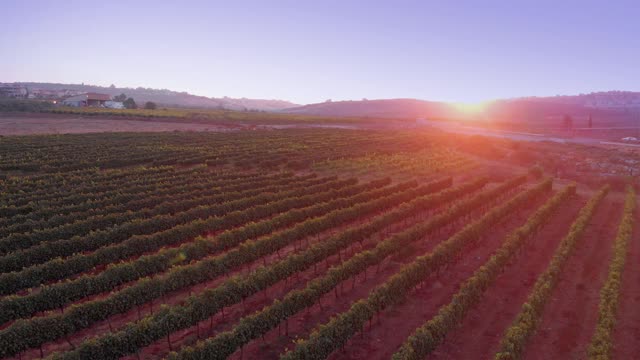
{"type": "Point", "coordinates": [471, 108]}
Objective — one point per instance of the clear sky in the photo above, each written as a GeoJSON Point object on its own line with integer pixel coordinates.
{"type": "Point", "coordinates": [310, 51]}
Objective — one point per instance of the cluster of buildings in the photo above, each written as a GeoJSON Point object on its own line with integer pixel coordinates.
{"type": "Point", "coordinates": [63, 97]}
{"type": "Point", "coordinates": [92, 99]}
{"type": "Point", "coordinates": [23, 92]}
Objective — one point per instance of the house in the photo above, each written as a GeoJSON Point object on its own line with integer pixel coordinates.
{"type": "Point", "coordinates": [88, 99]}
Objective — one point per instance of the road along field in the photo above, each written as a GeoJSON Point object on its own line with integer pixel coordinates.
{"type": "Point", "coordinates": [303, 244]}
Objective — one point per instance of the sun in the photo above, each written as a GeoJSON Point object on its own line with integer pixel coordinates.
{"type": "Point", "coordinates": [470, 108]}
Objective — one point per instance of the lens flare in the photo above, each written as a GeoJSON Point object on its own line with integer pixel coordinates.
{"type": "Point", "coordinates": [470, 108]}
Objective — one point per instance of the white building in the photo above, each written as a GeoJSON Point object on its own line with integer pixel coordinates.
{"type": "Point", "coordinates": [113, 104]}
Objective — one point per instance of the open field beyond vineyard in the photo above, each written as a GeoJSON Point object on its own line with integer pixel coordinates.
{"type": "Point", "coordinates": [306, 244]}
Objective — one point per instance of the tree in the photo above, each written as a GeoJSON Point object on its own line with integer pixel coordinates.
{"type": "Point", "coordinates": [130, 104]}
{"type": "Point", "coordinates": [150, 105]}
{"type": "Point", "coordinates": [121, 98]}
{"type": "Point", "coordinates": [568, 122]}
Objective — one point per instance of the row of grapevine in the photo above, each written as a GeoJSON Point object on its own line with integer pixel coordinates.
{"type": "Point", "coordinates": [39, 182]}
{"type": "Point", "coordinates": [236, 288]}
{"type": "Point", "coordinates": [279, 151]}
{"type": "Point", "coordinates": [515, 337]}
{"type": "Point", "coordinates": [134, 203]}
{"type": "Point", "coordinates": [222, 216]}
{"type": "Point", "coordinates": [96, 206]}
{"type": "Point", "coordinates": [31, 333]}
{"type": "Point", "coordinates": [83, 202]}
{"type": "Point", "coordinates": [38, 186]}
{"type": "Point", "coordinates": [93, 183]}
{"type": "Point", "coordinates": [427, 337]}
{"type": "Point", "coordinates": [324, 340]}
{"type": "Point", "coordinates": [67, 196]}
{"type": "Point", "coordinates": [69, 153]}
{"type": "Point", "coordinates": [169, 205]}
{"type": "Point", "coordinates": [255, 325]}
{"type": "Point", "coordinates": [601, 342]}
{"type": "Point", "coordinates": [94, 233]}
{"type": "Point", "coordinates": [57, 295]}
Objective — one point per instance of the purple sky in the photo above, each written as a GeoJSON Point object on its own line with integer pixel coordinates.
{"type": "Point", "coordinates": [309, 51]}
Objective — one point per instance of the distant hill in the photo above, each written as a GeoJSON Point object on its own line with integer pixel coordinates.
{"type": "Point", "coordinates": [387, 108]}
{"type": "Point", "coordinates": [616, 106]}
{"type": "Point", "coordinates": [166, 97]}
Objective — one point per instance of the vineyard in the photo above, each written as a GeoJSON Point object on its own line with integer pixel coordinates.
{"type": "Point", "coordinates": [306, 243]}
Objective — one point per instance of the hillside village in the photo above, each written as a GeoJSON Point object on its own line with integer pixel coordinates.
{"type": "Point", "coordinates": [58, 92]}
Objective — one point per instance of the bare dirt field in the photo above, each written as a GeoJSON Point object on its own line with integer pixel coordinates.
{"type": "Point", "coordinates": [48, 124]}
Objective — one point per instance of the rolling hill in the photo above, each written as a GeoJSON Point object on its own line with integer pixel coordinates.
{"type": "Point", "coordinates": [614, 106]}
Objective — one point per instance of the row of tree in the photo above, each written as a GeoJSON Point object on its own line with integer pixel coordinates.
{"type": "Point", "coordinates": [129, 103]}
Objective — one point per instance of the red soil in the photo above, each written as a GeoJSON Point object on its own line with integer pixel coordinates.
{"type": "Point", "coordinates": [300, 325]}
{"type": "Point", "coordinates": [394, 325]}
{"type": "Point", "coordinates": [26, 124]}
{"type": "Point", "coordinates": [479, 334]}
{"type": "Point", "coordinates": [626, 336]}
{"type": "Point", "coordinates": [570, 316]}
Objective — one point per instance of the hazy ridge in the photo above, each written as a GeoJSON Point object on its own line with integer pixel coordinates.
{"type": "Point", "coordinates": [168, 97]}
